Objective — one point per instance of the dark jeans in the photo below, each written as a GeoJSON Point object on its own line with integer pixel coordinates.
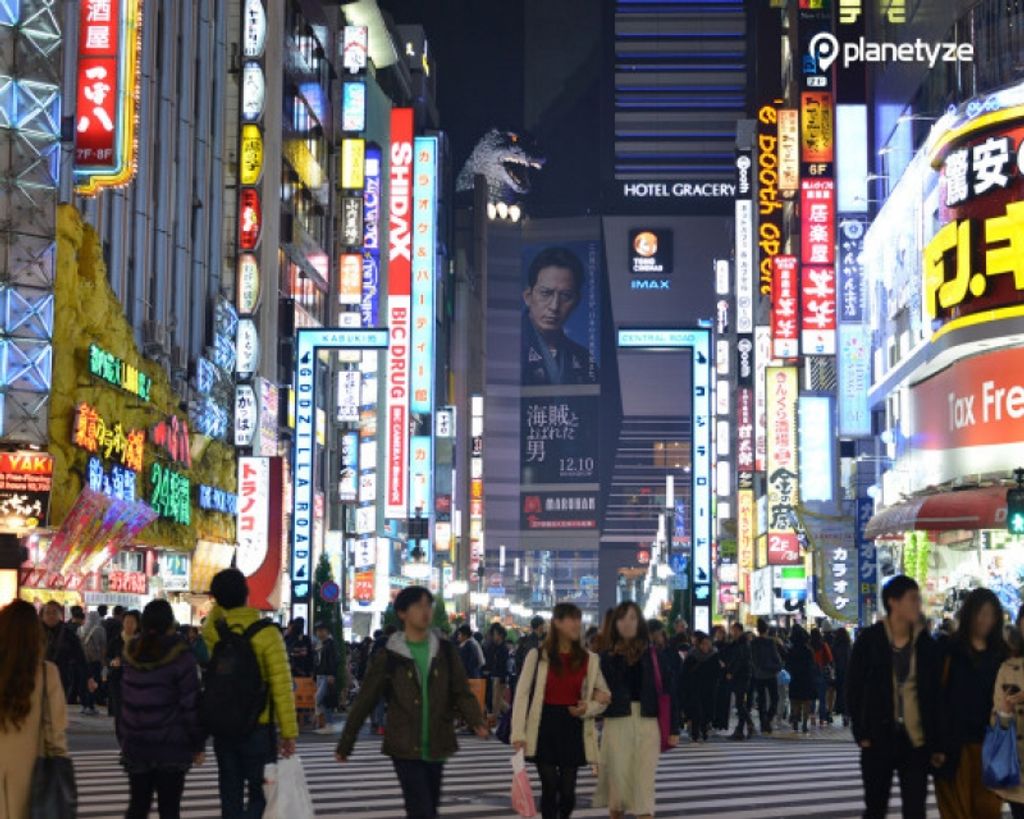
{"type": "Point", "coordinates": [557, 790]}
{"type": "Point", "coordinates": [741, 690]}
{"type": "Point", "coordinates": [1016, 809]}
{"type": "Point", "coordinates": [421, 787]}
{"type": "Point", "coordinates": [169, 785]}
{"type": "Point", "coordinates": [767, 692]}
{"type": "Point", "coordinates": [877, 765]}
{"type": "Point", "coordinates": [93, 672]}
{"type": "Point", "coordinates": [240, 764]}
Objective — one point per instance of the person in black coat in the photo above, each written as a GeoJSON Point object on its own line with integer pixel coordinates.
{"type": "Point", "coordinates": [128, 628]}
{"type": "Point", "coordinates": [497, 656]}
{"type": "Point", "coordinates": [842, 647]}
{"type": "Point", "coordinates": [64, 649]}
{"type": "Point", "coordinates": [700, 673]}
{"type": "Point", "coordinates": [739, 671]}
{"type": "Point", "coordinates": [892, 698]}
{"type": "Point", "coordinates": [723, 691]}
{"type": "Point", "coordinates": [802, 678]}
{"type": "Point", "coordinates": [159, 729]}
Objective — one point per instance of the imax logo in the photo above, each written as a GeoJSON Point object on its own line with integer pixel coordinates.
{"type": "Point", "coordinates": [650, 284]}
{"type": "Point", "coordinates": [824, 49]}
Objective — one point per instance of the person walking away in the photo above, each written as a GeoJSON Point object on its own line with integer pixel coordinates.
{"type": "Point", "coordinates": [766, 663]}
{"type": "Point", "coordinates": [159, 730]}
{"type": "Point", "coordinates": [841, 648]}
{"type": "Point", "coordinates": [974, 655]}
{"type": "Point", "coordinates": [825, 673]}
{"type": "Point", "coordinates": [112, 625]}
{"type": "Point", "coordinates": [129, 627]}
{"type": "Point", "coordinates": [425, 685]}
{"type": "Point", "coordinates": [738, 671]}
{"type": "Point", "coordinates": [94, 647]}
{"type": "Point", "coordinates": [554, 710]}
{"type": "Point", "coordinates": [63, 648]}
{"type": "Point", "coordinates": [326, 670]}
{"type": "Point", "coordinates": [32, 707]}
{"type": "Point", "coordinates": [802, 678]}
{"type": "Point", "coordinates": [723, 693]}
{"type": "Point", "coordinates": [1008, 704]}
{"type": "Point", "coordinates": [672, 662]}
{"type": "Point", "coordinates": [631, 741]}
{"type": "Point", "coordinates": [893, 700]}
{"type": "Point", "coordinates": [498, 656]}
{"type": "Point", "coordinates": [247, 696]}
{"type": "Point", "coordinates": [700, 679]}
{"type": "Point", "coordinates": [470, 653]}
{"type": "Point", "coordinates": [300, 648]}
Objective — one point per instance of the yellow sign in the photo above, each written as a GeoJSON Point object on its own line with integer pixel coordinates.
{"type": "Point", "coordinates": [952, 249]}
{"type": "Point", "coordinates": [250, 166]}
{"type": "Point", "coordinates": [353, 163]}
{"type": "Point", "coordinates": [745, 537]}
{"type": "Point", "coordinates": [789, 150]}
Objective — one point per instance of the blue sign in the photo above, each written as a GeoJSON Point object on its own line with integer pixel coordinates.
{"type": "Point", "coordinates": [307, 342]}
{"type": "Point", "coordinates": [215, 499]}
{"type": "Point", "coordinates": [353, 106]}
{"type": "Point", "coordinates": [424, 263]}
{"type": "Point", "coordinates": [369, 305]}
{"type": "Point", "coordinates": [867, 565]}
{"type": "Point", "coordinates": [854, 380]}
{"type": "Point", "coordinates": [118, 482]}
{"type": "Point", "coordinates": [698, 341]}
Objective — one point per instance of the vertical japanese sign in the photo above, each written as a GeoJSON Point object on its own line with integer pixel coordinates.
{"type": "Point", "coordinates": [867, 565]}
{"type": "Point", "coordinates": [421, 475]}
{"type": "Point", "coordinates": [369, 305]}
{"type": "Point", "coordinates": [818, 310]}
{"type": "Point", "coordinates": [745, 534]}
{"type": "Point", "coordinates": [745, 460]}
{"type": "Point", "coordinates": [399, 318]}
{"type": "Point", "coordinates": [851, 270]}
{"type": "Point", "coordinates": [763, 358]}
{"type": "Point", "coordinates": [108, 79]}
{"type": "Point", "coordinates": [854, 380]}
{"type": "Point", "coordinates": [424, 255]}
{"type": "Point", "coordinates": [785, 301]}
{"type": "Point", "coordinates": [783, 472]}
{"type": "Point", "coordinates": [744, 243]}
{"type": "Point", "coordinates": [817, 221]}
{"type": "Point", "coordinates": [259, 521]}
{"type": "Point", "coordinates": [789, 150]}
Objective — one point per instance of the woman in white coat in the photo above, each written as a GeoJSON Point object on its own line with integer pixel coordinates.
{"type": "Point", "coordinates": [559, 693]}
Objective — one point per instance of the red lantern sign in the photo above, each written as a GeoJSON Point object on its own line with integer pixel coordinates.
{"type": "Point", "coordinates": [250, 219]}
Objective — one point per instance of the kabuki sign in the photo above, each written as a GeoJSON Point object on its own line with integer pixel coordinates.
{"type": "Point", "coordinates": [108, 35]}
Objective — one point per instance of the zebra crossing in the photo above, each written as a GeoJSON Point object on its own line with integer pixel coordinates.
{"type": "Point", "coordinates": [760, 779]}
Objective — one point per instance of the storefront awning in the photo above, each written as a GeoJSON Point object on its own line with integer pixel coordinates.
{"type": "Point", "coordinates": [968, 509]}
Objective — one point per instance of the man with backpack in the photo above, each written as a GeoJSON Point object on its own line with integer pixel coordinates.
{"type": "Point", "coordinates": [247, 690]}
{"type": "Point", "coordinates": [425, 685]}
{"type": "Point", "coordinates": [767, 665]}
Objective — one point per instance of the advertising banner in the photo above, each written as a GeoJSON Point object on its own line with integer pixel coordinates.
{"type": "Point", "coordinates": [369, 305]}
{"type": "Point", "coordinates": [834, 540]}
{"type": "Point", "coordinates": [785, 310]}
{"type": "Point", "coordinates": [817, 221]}
{"type": "Point", "coordinates": [560, 368]}
{"type": "Point", "coordinates": [259, 528]}
{"type": "Point", "coordinates": [348, 479]}
{"type": "Point", "coordinates": [817, 452]}
{"type": "Point", "coordinates": [789, 150]}
{"type": "Point", "coordinates": [26, 478]}
{"type": "Point", "coordinates": [746, 531]}
{"type": "Point", "coordinates": [424, 272]}
{"type": "Point", "coordinates": [559, 510]}
{"type": "Point", "coordinates": [851, 270]}
{"type": "Point", "coordinates": [769, 198]}
{"type": "Point", "coordinates": [818, 310]}
{"type": "Point", "coordinates": [399, 308]}
{"type": "Point", "coordinates": [867, 564]}
{"type": "Point", "coordinates": [762, 360]}
{"type": "Point", "coordinates": [854, 362]}
{"type": "Point", "coordinates": [782, 390]}
{"type": "Point", "coordinates": [745, 460]}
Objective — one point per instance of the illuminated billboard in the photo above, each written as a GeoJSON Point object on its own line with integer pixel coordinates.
{"type": "Point", "coordinates": [782, 388]}
{"type": "Point", "coordinates": [424, 273]}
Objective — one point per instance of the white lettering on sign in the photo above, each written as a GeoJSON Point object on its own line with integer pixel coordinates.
{"type": "Point", "coordinates": [678, 190]}
{"type": "Point", "coordinates": [997, 404]}
{"type": "Point", "coordinates": [400, 236]}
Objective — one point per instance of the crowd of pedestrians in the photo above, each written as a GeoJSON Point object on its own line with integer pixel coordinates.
{"type": "Point", "coordinates": [613, 698]}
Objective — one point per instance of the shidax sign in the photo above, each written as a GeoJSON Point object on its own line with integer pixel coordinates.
{"type": "Point", "coordinates": [825, 48]}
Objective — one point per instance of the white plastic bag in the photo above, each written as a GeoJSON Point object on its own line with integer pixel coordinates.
{"type": "Point", "coordinates": [285, 789]}
{"type": "Point", "coordinates": [522, 792]}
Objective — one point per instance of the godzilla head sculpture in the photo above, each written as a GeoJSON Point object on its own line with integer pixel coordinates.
{"type": "Point", "coordinates": [505, 159]}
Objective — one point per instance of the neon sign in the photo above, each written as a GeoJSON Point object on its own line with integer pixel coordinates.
{"type": "Point", "coordinates": [172, 494]}
{"type": "Point", "coordinates": [118, 373]}
{"type": "Point", "coordinates": [93, 434]}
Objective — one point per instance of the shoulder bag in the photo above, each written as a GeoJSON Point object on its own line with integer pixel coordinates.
{"type": "Point", "coordinates": [54, 794]}
{"type": "Point", "coordinates": [664, 703]}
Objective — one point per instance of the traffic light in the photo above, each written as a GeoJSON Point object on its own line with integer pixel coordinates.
{"type": "Point", "coordinates": [1015, 511]}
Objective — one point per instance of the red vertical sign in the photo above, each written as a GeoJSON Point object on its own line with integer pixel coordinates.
{"type": "Point", "coordinates": [98, 83]}
{"type": "Point", "coordinates": [785, 308]}
{"type": "Point", "coordinates": [399, 308]}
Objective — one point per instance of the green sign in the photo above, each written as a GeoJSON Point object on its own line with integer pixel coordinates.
{"type": "Point", "coordinates": [118, 373]}
{"type": "Point", "coordinates": [171, 497]}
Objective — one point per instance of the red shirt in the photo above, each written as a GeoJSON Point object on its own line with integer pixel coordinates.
{"type": "Point", "coordinates": [565, 688]}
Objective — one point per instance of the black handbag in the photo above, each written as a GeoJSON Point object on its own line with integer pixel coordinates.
{"type": "Point", "coordinates": [54, 793]}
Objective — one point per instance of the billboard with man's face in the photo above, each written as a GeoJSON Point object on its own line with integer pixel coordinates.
{"type": "Point", "coordinates": [561, 357]}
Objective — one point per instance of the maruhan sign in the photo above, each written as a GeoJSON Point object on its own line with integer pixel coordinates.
{"type": "Point", "coordinates": [678, 190]}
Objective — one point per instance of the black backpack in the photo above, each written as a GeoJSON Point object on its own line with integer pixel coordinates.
{"type": "Point", "coordinates": [234, 691]}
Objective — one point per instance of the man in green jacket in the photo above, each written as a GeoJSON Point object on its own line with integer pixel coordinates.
{"type": "Point", "coordinates": [240, 761]}
{"type": "Point", "coordinates": [425, 685]}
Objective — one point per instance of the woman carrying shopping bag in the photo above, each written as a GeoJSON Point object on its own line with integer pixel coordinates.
{"type": "Point", "coordinates": [559, 693]}
{"type": "Point", "coordinates": [638, 679]}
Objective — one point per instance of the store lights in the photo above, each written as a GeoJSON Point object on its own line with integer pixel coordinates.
{"type": "Point", "coordinates": [504, 212]}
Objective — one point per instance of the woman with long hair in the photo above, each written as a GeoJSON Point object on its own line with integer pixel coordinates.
{"type": "Point", "coordinates": [636, 675]}
{"type": "Point", "coordinates": [25, 714]}
{"type": "Point", "coordinates": [974, 655]}
{"type": "Point", "coordinates": [159, 728]}
{"type": "Point", "coordinates": [560, 692]}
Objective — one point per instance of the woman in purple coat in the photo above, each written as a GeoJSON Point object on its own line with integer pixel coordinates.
{"type": "Point", "coordinates": [159, 729]}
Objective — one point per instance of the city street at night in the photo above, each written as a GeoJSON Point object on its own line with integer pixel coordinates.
{"type": "Point", "coordinates": [512, 408]}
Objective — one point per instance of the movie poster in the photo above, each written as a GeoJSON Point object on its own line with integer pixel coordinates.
{"type": "Point", "coordinates": [561, 373]}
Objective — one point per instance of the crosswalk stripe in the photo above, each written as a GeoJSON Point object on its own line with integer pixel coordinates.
{"type": "Point", "coordinates": [761, 779]}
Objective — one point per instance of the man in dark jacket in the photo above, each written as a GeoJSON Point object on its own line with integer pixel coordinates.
{"type": "Point", "coordinates": [892, 699]}
{"type": "Point", "coordinates": [425, 685]}
{"type": "Point", "coordinates": [767, 664]}
{"type": "Point", "coordinates": [497, 654]}
{"type": "Point", "coordinates": [699, 680]}
{"type": "Point", "coordinates": [470, 653]}
{"type": "Point", "coordinates": [326, 670]}
{"type": "Point", "coordinates": [64, 649]}
{"type": "Point", "coordinates": [738, 671]}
